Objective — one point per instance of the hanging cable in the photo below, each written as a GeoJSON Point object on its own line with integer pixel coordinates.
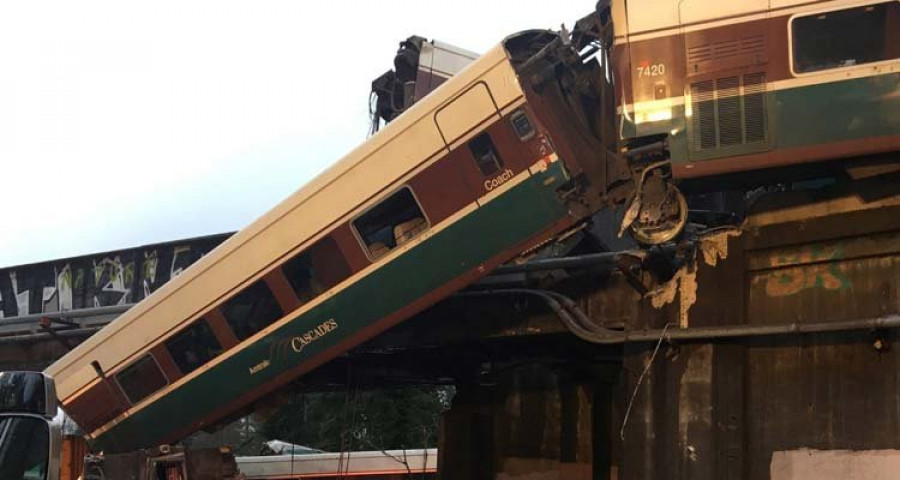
{"type": "Point", "coordinates": [640, 380]}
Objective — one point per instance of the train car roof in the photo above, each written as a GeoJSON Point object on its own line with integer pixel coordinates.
{"type": "Point", "coordinates": [649, 18]}
{"type": "Point", "coordinates": [349, 184]}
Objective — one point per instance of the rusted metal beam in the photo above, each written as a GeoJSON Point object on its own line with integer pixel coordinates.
{"type": "Point", "coordinates": [47, 325]}
{"type": "Point", "coordinates": [35, 337]}
{"type": "Point", "coordinates": [80, 313]}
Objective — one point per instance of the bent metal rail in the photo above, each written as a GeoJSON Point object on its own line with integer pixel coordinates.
{"type": "Point", "coordinates": [373, 465]}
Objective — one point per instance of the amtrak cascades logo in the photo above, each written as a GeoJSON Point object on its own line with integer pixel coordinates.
{"type": "Point", "coordinates": [299, 343]}
{"type": "Point", "coordinates": [281, 349]}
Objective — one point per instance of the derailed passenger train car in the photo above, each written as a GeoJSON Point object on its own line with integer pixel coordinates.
{"type": "Point", "coordinates": [485, 168]}
{"type": "Point", "coordinates": [745, 86]}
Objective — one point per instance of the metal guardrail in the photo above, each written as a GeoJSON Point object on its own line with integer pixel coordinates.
{"type": "Point", "coordinates": [85, 321]}
{"type": "Point", "coordinates": [411, 463]}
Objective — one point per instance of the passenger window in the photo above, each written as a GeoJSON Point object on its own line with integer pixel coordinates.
{"type": "Point", "coordinates": [194, 346]}
{"type": "Point", "coordinates": [316, 269]}
{"type": "Point", "coordinates": [844, 38]}
{"type": "Point", "coordinates": [141, 379]}
{"type": "Point", "coordinates": [485, 154]}
{"type": "Point", "coordinates": [252, 310]}
{"type": "Point", "coordinates": [391, 223]}
{"type": "Point", "coordinates": [299, 273]}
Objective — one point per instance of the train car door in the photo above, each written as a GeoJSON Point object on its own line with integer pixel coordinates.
{"type": "Point", "coordinates": [443, 187]}
{"type": "Point", "coordinates": [462, 121]}
{"type": "Point", "coordinates": [486, 149]}
{"type": "Point", "coordinates": [651, 74]}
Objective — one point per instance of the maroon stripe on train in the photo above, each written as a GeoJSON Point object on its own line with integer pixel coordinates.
{"type": "Point", "coordinates": [220, 328]}
{"type": "Point", "coordinates": [750, 46]}
{"type": "Point", "coordinates": [282, 290]}
{"type": "Point", "coordinates": [97, 405]}
{"type": "Point", "coordinates": [787, 156]}
{"type": "Point", "coordinates": [166, 363]}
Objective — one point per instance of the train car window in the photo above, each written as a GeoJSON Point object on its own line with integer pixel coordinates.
{"type": "Point", "coordinates": [845, 38]}
{"type": "Point", "coordinates": [194, 346]}
{"type": "Point", "coordinates": [393, 222]}
{"type": "Point", "coordinates": [300, 274]}
{"type": "Point", "coordinates": [252, 310]}
{"type": "Point", "coordinates": [316, 269]}
{"type": "Point", "coordinates": [521, 124]}
{"type": "Point", "coordinates": [485, 154]}
{"type": "Point", "coordinates": [141, 379]}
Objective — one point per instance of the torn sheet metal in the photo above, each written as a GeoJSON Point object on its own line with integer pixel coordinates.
{"type": "Point", "coordinates": [714, 247]}
{"type": "Point", "coordinates": [682, 286]}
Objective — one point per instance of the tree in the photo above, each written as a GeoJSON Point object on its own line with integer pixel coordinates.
{"type": "Point", "coordinates": [397, 418]}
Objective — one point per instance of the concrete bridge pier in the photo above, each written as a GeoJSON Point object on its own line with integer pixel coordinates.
{"type": "Point", "coordinates": [533, 422]}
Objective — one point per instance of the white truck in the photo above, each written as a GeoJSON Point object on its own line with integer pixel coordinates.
{"type": "Point", "coordinates": [34, 446]}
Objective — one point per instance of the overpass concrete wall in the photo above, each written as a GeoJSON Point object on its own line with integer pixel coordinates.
{"type": "Point", "coordinates": [118, 277]}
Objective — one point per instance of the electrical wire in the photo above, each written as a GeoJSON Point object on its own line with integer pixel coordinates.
{"type": "Point", "coordinates": [640, 380]}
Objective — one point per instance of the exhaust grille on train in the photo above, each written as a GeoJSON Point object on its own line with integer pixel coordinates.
{"type": "Point", "coordinates": [725, 53]}
{"type": "Point", "coordinates": [729, 113]}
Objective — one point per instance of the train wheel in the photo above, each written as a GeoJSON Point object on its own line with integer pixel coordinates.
{"type": "Point", "coordinates": [663, 211]}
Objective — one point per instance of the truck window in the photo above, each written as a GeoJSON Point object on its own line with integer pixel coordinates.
{"type": "Point", "coordinates": [24, 448]}
{"type": "Point", "coordinates": [252, 310]}
{"type": "Point", "coordinates": [22, 392]}
{"type": "Point", "coordinates": [194, 346]}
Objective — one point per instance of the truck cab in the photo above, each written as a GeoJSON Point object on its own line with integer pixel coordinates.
{"type": "Point", "coordinates": [33, 446]}
{"type": "Point", "coordinates": [30, 435]}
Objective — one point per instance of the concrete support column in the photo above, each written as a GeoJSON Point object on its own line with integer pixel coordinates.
{"type": "Point", "coordinates": [465, 444]}
{"type": "Point", "coordinates": [535, 423]}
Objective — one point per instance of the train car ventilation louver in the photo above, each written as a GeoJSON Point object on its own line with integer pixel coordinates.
{"type": "Point", "coordinates": [728, 112]}
{"type": "Point", "coordinates": [726, 53]}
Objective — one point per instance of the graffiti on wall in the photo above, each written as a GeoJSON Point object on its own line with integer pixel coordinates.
{"type": "Point", "coordinates": [817, 267]}
{"type": "Point", "coordinates": [114, 278]}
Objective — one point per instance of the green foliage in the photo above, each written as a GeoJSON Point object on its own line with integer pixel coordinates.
{"type": "Point", "coordinates": [242, 436]}
{"type": "Point", "coordinates": [371, 420]}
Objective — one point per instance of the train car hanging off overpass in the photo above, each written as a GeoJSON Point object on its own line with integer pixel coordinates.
{"type": "Point", "coordinates": [474, 174]}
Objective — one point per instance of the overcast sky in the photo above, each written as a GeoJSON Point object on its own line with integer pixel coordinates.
{"type": "Point", "coordinates": [125, 123]}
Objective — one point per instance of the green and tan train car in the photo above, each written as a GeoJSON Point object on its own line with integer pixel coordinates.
{"type": "Point", "coordinates": [744, 85]}
{"type": "Point", "coordinates": [470, 177]}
